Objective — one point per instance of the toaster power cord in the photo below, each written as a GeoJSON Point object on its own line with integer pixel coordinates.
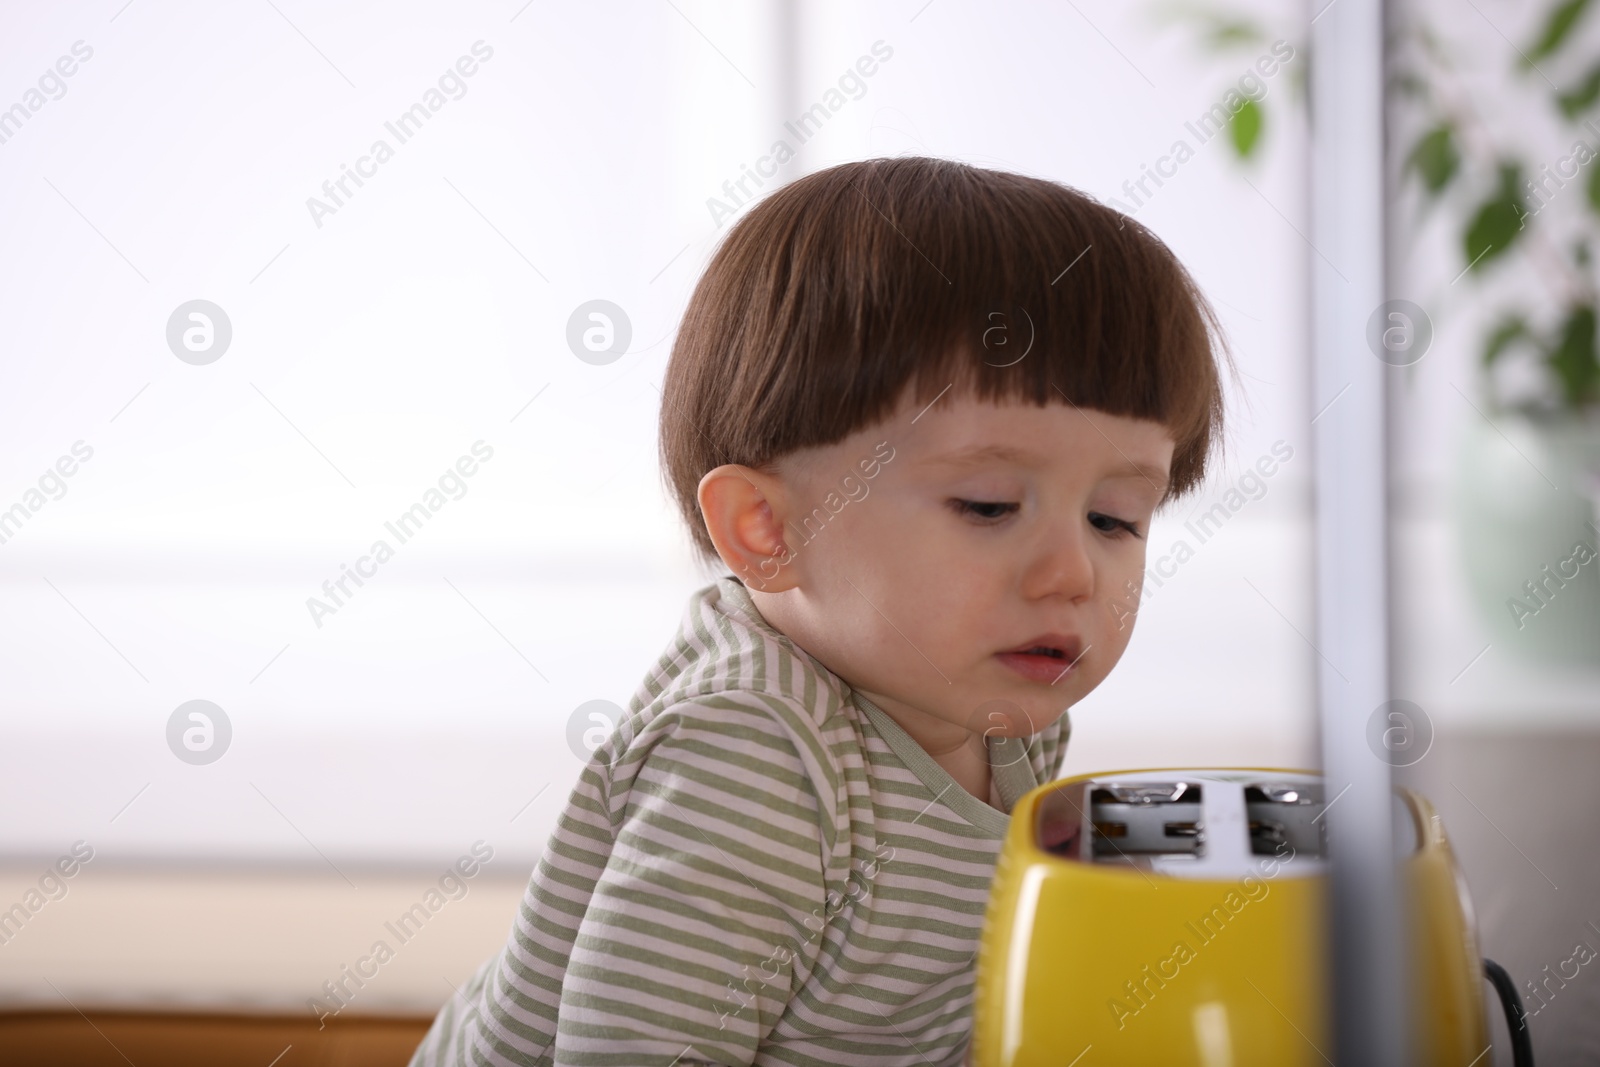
{"type": "Point", "coordinates": [1511, 1004]}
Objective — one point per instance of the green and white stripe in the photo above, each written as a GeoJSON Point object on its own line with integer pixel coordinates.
{"type": "Point", "coordinates": [758, 867]}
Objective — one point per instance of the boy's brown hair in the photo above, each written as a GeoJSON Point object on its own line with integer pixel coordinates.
{"type": "Point", "coordinates": [837, 291]}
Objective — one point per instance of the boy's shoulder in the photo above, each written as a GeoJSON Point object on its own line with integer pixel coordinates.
{"type": "Point", "coordinates": [724, 649]}
{"type": "Point", "coordinates": [735, 709]}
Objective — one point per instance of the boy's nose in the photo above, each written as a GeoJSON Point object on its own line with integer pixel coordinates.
{"type": "Point", "coordinates": [1060, 566]}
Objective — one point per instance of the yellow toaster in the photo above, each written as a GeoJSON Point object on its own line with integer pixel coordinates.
{"type": "Point", "coordinates": [1176, 917]}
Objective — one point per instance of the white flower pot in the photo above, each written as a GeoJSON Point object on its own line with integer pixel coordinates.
{"type": "Point", "coordinates": [1527, 503]}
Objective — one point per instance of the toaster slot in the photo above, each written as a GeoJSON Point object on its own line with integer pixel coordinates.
{"type": "Point", "coordinates": [1285, 816]}
{"type": "Point", "coordinates": [1146, 818]}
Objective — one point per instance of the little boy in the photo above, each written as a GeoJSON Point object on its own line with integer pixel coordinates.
{"type": "Point", "coordinates": [922, 413]}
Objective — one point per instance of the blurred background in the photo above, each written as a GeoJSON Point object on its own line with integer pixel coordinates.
{"type": "Point", "coordinates": [242, 340]}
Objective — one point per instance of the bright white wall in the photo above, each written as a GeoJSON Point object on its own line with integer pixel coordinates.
{"type": "Point", "coordinates": [429, 313]}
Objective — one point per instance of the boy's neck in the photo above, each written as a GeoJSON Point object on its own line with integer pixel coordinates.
{"type": "Point", "coordinates": [967, 762]}
{"type": "Point", "coordinates": [961, 753]}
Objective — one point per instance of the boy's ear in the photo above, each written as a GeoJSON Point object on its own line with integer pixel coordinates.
{"type": "Point", "coordinates": [743, 509]}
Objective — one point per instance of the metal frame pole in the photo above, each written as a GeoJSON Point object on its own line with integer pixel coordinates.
{"type": "Point", "coordinates": [1352, 608]}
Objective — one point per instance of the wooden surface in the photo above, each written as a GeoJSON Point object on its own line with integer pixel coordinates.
{"type": "Point", "coordinates": [117, 1039]}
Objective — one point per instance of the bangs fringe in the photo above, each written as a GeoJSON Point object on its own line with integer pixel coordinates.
{"type": "Point", "coordinates": [839, 292]}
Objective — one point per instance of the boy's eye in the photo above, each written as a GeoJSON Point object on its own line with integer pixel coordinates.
{"type": "Point", "coordinates": [989, 512]}
{"type": "Point", "coordinates": [985, 510]}
{"type": "Point", "coordinates": [1110, 524]}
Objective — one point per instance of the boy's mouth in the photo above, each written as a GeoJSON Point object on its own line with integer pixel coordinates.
{"type": "Point", "coordinates": [1046, 658]}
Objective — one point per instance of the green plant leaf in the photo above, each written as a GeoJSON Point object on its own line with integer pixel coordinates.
{"type": "Point", "coordinates": [1218, 29]}
{"type": "Point", "coordinates": [1593, 189]}
{"type": "Point", "coordinates": [1435, 158]}
{"type": "Point", "coordinates": [1497, 223]}
{"type": "Point", "coordinates": [1510, 329]}
{"type": "Point", "coordinates": [1409, 83]}
{"type": "Point", "coordinates": [1575, 101]}
{"type": "Point", "coordinates": [1228, 32]}
{"type": "Point", "coordinates": [1246, 128]}
{"type": "Point", "coordinates": [1574, 360]}
{"type": "Point", "coordinates": [1557, 27]}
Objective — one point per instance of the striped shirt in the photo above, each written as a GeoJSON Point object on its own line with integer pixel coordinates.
{"type": "Point", "coordinates": [757, 867]}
